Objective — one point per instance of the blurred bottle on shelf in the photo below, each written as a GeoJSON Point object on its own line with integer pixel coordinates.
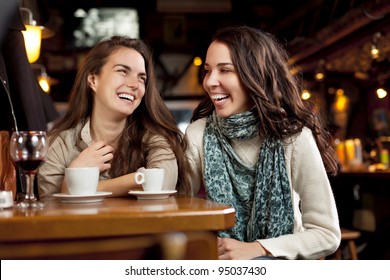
{"type": "Point", "coordinates": [350, 154]}
{"type": "Point", "coordinates": [385, 158]}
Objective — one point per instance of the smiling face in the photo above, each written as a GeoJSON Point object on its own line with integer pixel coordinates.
{"type": "Point", "coordinates": [120, 85]}
{"type": "Point", "coordinates": [222, 82]}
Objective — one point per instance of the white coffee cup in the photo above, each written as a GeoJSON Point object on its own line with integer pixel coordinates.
{"type": "Point", "coordinates": [6, 199]}
{"type": "Point", "coordinates": [82, 180]}
{"type": "Point", "coordinates": [152, 179]}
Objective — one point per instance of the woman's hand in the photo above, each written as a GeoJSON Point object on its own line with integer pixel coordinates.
{"type": "Point", "coordinates": [231, 249]}
{"type": "Point", "coordinates": [98, 154]}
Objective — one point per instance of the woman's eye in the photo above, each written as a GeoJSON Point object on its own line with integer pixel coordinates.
{"type": "Point", "coordinates": [124, 71]}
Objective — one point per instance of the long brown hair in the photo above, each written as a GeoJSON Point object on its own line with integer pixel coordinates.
{"type": "Point", "coordinates": [262, 65]}
{"type": "Point", "coordinates": [151, 118]}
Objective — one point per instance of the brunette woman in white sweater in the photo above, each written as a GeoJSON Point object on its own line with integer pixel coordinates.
{"type": "Point", "coordinates": [255, 145]}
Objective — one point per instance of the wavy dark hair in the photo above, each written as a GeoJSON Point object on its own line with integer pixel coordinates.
{"type": "Point", "coordinates": [262, 65]}
{"type": "Point", "coordinates": [151, 118]}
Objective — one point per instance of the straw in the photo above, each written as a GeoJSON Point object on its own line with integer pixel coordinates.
{"type": "Point", "coordinates": [3, 82]}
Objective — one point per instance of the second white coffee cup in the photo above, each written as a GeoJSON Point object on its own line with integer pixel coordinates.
{"type": "Point", "coordinates": [82, 180]}
{"type": "Point", "coordinates": [152, 179]}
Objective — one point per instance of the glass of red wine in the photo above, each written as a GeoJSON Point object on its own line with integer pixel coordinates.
{"type": "Point", "coordinates": [28, 151]}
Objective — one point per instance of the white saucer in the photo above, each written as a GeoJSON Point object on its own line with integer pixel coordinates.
{"type": "Point", "coordinates": [68, 198]}
{"type": "Point", "coordinates": [152, 195]}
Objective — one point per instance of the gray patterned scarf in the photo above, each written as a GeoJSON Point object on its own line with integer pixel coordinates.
{"type": "Point", "coordinates": [259, 193]}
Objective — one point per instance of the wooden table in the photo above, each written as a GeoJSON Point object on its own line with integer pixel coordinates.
{"type": "Point", "coordinates": [179, 227]}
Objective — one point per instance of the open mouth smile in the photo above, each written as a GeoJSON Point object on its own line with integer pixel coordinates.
{"type": "Point", "coordinates": [125, 96]}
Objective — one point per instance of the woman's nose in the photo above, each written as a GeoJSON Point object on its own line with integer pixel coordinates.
{"type": "Point", "coordinates": [211, 80]}
{"type": "Point", "coordinates": [132, 82]}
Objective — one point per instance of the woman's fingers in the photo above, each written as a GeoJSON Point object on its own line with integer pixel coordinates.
{"type": "Point", "coordinates": [98, 154]}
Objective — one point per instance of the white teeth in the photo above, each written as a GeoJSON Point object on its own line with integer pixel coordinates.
{"type": "Point", "coordinates": [219, 96]}
{"type": "Point", "coordinates": [126, 96]}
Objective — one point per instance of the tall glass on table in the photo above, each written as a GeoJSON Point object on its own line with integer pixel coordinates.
{"type": "Point", "coordinates": [28, 151]}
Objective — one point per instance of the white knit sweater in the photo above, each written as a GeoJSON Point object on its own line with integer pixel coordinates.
{"type": "Point", "coordinates": [316, 225]}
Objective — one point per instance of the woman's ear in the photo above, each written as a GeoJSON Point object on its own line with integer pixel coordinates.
{"type": "Point", "coordinates": [92, 82]}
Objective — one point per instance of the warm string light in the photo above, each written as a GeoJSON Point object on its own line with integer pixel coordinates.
{"type": "Point", "coordinates": [341, 102]}
{"type": "Point", "coordinates": [375, 52]}
{"type": "Point", "coordinates": [43, 79]}
{"type": "Point", "coordinates": [320, 71]}
{"type": "Point", "coordinates": [305, 95]}
{"type": "Point", "coordinates": [32, 36]}
{"type": "Point", "coordinates": [381, 90]}
{"type": "Point", "coordinates": [44, 83]}
{"type": "Point", "coordinates": [381, 93]}
{"type": "Point", "coordinates": [197, 61]}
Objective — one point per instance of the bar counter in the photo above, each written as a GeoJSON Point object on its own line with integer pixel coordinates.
{"type": "Point", "coordinates": [363, 203]}
{"type": "Point", "coordinates": [179, 227]}
{"type": "Point", "coordinates": [385, 175]}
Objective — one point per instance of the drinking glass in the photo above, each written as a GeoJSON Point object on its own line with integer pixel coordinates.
{"type": "Point", "coordinates": [28, 151]}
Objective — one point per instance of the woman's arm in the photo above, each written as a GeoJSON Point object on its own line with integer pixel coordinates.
{"type": "Point", "coordinates": [119, 186]}
{"type": "Point", "coordinates": [194, 152]}
{"type": "Point", "coordinates": [51, 172]}
{"type": "Point", "coordinates": [320, 235]}
{"type": "Point", "coordinates": [160, 157]}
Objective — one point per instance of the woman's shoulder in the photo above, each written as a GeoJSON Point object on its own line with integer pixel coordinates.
{"type": "Point", "coordinates": [304, 133]}
{"type": "Point", "coordinates": [151, 138]}
{"type": "Point", "coordinates": [302, 139]}
{"type": "Point", "coordinates": [68, 136]}
{"type": "Point", "coordinates": [196, 128]}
